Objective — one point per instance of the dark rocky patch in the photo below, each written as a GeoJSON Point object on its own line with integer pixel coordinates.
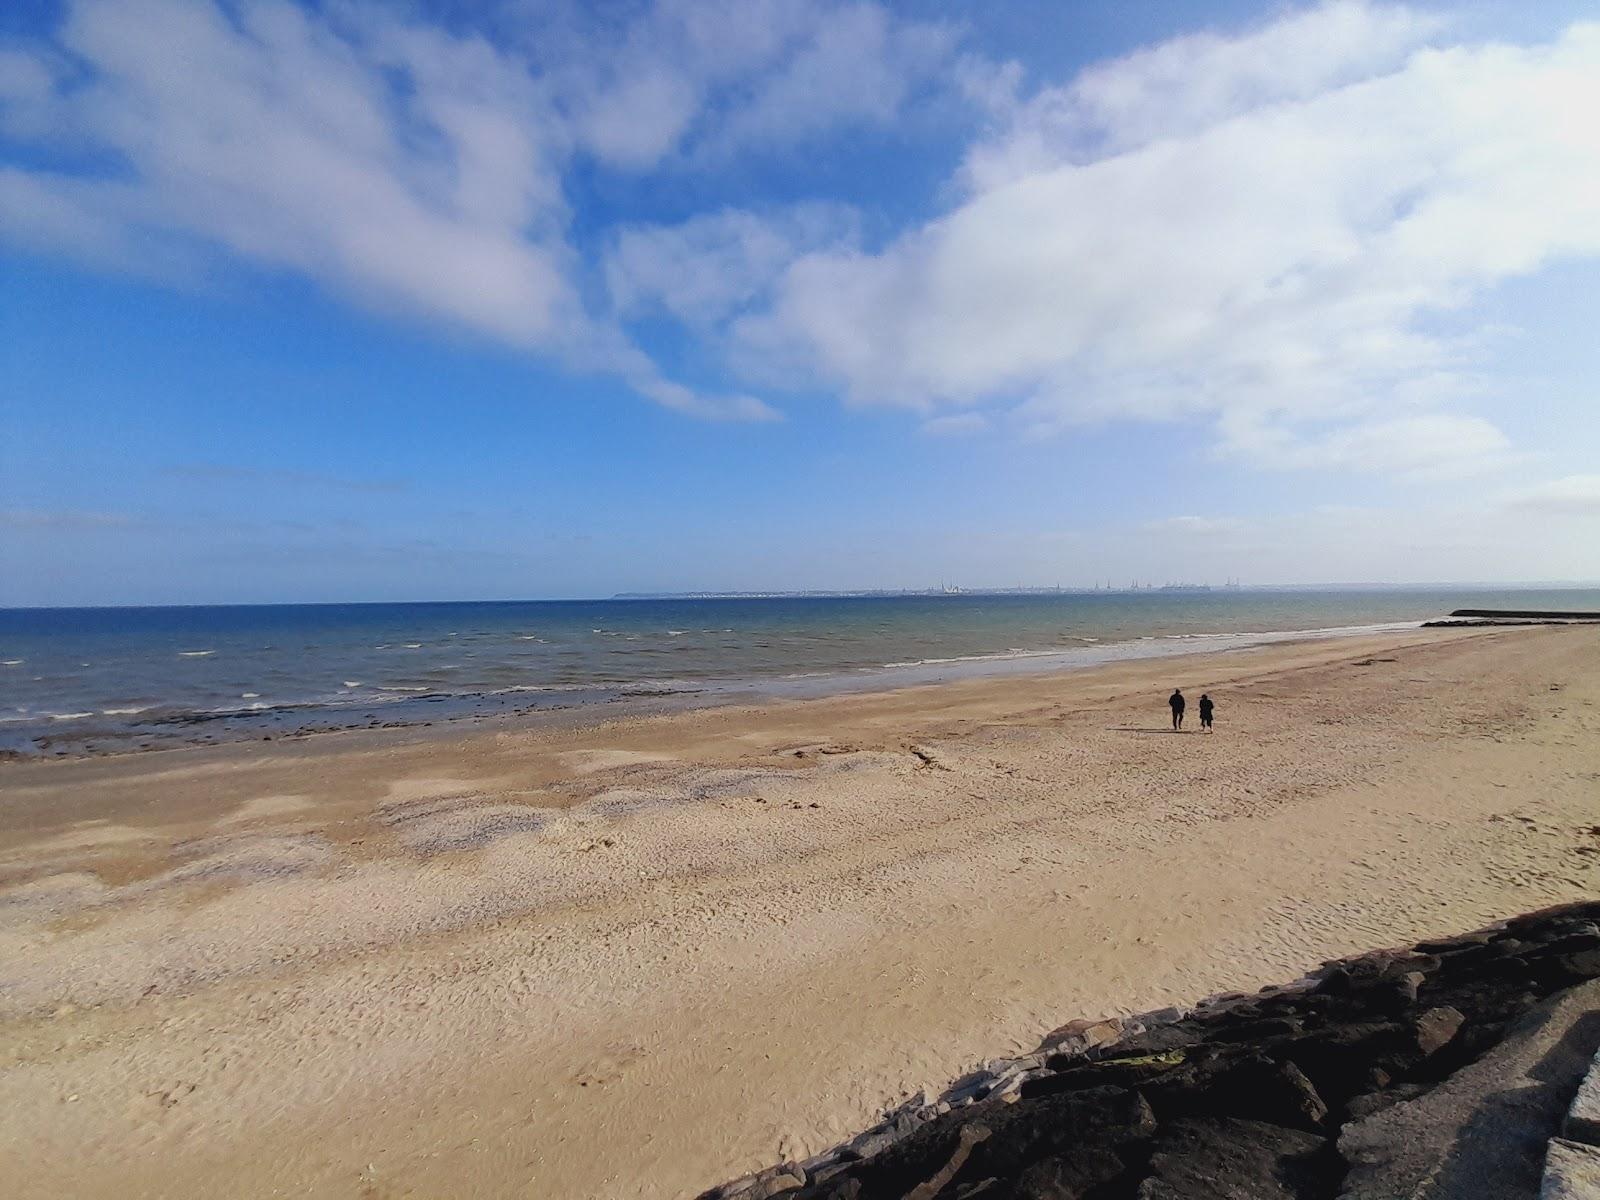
{"type": "Point", "coordinates": [1242, 1098]}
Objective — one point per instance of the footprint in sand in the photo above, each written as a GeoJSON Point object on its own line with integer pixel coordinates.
{"type": "Point", "coordinates": [611, 1066]}
{"type": "Point", "coordinates": [170, 1097]}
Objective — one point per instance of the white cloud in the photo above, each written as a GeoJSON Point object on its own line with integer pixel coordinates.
{"type": "Point", "coordinates": [283, 142]}
{"type": "Point", "coordinates": [418, 171]}
{"type": "Point", "coordinates": [1188, 84]}
{"type": "Point", "coordinates": [639, 119]}
{"type": "Point", "coordinates": [704, 269]}
{"type": "Point", "coordinates": [856, 65]}
{"type": "Point", "coordinates": [1571, 495]}
{"type": "Point", "coordinates": [701, 80]}
{"type": "Point", "coordinates": [1272, 232]}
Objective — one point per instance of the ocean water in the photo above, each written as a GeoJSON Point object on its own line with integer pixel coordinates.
{"type": "Point", "coordinates": [108, 679]}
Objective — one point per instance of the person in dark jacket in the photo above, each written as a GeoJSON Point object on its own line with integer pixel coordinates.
{"type": "Point", "coordinates": [1205, 712]}
{"type": "Point", "coordinates": [1178, 704]}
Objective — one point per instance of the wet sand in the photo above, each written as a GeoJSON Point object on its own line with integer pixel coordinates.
{"type": "Point", "coordinates": [634, 959]}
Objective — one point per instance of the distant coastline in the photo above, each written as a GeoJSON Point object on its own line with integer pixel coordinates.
{"type": "Point", "coordinates": [1103, 590]}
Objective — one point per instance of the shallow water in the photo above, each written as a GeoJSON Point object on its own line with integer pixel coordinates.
{"type": "Point", "coordinates": [123, 678]}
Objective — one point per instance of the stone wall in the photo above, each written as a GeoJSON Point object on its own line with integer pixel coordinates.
{"type": "Point", "coordinates": [1249, 1096]}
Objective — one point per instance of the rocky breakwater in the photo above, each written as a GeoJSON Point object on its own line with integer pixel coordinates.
{"type": "Point", "coordinates": [1511, 616]}
{"type": "Point", "coordinates": [1430, 1071]}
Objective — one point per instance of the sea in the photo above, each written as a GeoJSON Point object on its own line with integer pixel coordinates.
{"type": "Point", "coordinates": [105, 680]}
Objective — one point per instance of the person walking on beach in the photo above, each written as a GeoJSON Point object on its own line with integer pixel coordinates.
{"type": "Point", "coordinates": [1205, 712]}
{"type": "Point", "coordinates": [1178, 703]}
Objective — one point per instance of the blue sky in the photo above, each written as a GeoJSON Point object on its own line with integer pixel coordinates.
{"type": "Point", "coordinates": [360, 301]}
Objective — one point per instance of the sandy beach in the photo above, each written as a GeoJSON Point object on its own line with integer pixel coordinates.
{"type": "Point", "coordinates": [634, 959]}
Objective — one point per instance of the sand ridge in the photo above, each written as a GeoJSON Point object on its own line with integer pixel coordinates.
{"type": "Point", "coordinates": [630, 960]}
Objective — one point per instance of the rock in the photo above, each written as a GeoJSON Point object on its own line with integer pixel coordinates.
{"type": "Point", "coordinates": [820, 1162]}
{"type": "Point", "coordinates": [735, 1189]}
{"type": "Point", "coordinates": [1055, 1126]}
{"type": "Point", "coordinates": [824, 1174]}
{"type": "Point", "coordinates": [1576, 912]}
{"type": "Point", "coordinates": [1224, 999]}
{"type": "Point", "coordinates": [1338, 1061]}
{"type": "Point", "coordinates": [967, 1137]}
{"type": "Point", "coordinates": [1083, 1034]}
{"type": "Point", "coordinates": [969, 1088]}
{"type": "Point", "coordinates": [1482, 1132]}
{"type": "Point", "coordinates": [898, 1123]}
{"type": "Point", "coordinates": [874, 1141]}
{"type": "Point", "coordinates": [1161, 1016]}
{"type": "Point", "coordinates": [1229, 1159]}
{"type": "Point", "coordinates": [1071, 1177]}
{"type": "Point", "coordinates": [1474, 956]}
{"type": "Point", "coordinates": [1379, 984]}
{"type": "Point", "coordinates": [1577, 940]}
{"type": "Point", "coordinates": [774, 1181]}
{"type": "Point", "coordinates": [1583, 964]}
{"type": "Point", "coordinates": [1440, 945]}
{"type": "Point", "coordinates": [1571, 1171]}
{"type": "Point", "coordinates": [1260, 1030]}
{"type": "Point", "coordinates": [1010, 1087]}
{"type": "Point", "coordinates": [776, 1185]}
{"type": "Point", "coordinates": [1368, 1103]}
{"type": "Point", "coordinates": [1130, 1027]}
{"type": "Point", "coordinates": [1078, 1076]}
{"type": "Point", "coordinates": [1158, 1040]}
{"type": "Point", "coordinates": [1410, 982]}
{"type": "Point", "coordinates": [1262, 1089]}
{"type": "Point", "coordinates": [1022, 1134]}
{"type": "Point", "coordinates": [1434, 1028]}
{"type": "Point", "coordinates": [911, 1107]}
{"type": "Point", "coordinates": [1583, 1118]}
{"type": "Point", "coordinates": [842, 1189]}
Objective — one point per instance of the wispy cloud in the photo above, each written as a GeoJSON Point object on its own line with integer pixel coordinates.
{"type": "Point", "coordinates": [709, 267]}
{"type": "Point", "coordinates": [412, 169]}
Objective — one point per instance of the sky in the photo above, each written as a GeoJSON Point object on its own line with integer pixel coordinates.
{"type": "Point", "coordinates": [361, 301]}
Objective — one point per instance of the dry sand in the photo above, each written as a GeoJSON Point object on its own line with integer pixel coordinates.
{"type": "Point", "coordinates": [635, 959]}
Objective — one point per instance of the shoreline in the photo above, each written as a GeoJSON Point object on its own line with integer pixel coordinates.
{"type": "Point", "coordinates": [531, 705]}
{"type": "Point", "coordinates": [627, 959]}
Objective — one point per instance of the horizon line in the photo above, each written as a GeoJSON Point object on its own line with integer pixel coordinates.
{"type": "Point", "coordinates": [863, 593]}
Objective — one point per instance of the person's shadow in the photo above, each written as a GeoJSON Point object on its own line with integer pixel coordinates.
{"type": "Point", "coordinates": [1146, 729]}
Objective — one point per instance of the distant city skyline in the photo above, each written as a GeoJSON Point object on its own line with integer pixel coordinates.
{"type": "Point", "coordinates": [523, 300]}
